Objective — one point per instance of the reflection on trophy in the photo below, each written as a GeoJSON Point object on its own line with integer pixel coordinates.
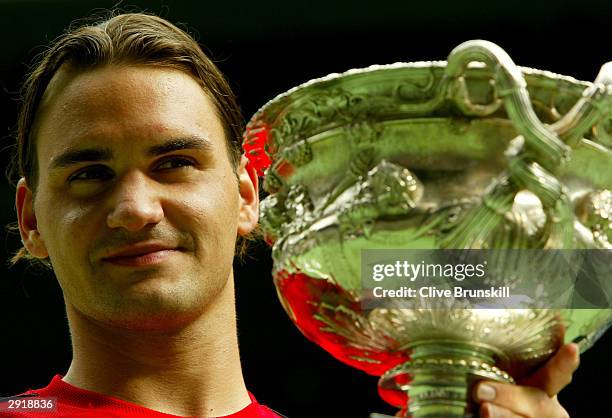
{"type": "Point", "coordinates": [471, 153]}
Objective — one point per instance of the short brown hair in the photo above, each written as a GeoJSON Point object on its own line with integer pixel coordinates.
{"type": "Point", "coordinates": [131, 38]}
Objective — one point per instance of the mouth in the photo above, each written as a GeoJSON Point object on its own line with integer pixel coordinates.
{"type": "Point", "coordinates": [141, 255]}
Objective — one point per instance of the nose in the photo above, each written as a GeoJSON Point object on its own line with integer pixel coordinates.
{"type": "Point", "coordinates": [135, 203]}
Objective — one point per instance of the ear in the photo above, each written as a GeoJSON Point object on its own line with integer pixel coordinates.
{"type": "Point", "coordinates": [248, 188]}
{"type": "Point", "coordinates": [28, 227]}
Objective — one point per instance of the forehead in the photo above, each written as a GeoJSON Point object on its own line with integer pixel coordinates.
{"type": "Point", "coordinates": [122, 105]}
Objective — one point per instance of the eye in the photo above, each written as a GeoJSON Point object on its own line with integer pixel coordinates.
{"type": "Point", "coordinates": [178, 162]}
{"type": "Point", "coordinates": [92, 173]}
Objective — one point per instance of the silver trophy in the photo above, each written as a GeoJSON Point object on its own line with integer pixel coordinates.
{"type": "Point", "coordinates": [471, 153]}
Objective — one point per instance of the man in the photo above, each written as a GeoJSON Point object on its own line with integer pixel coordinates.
{"type": "Point", "coordinates": [134, 190]}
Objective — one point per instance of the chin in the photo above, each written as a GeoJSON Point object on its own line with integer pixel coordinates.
{"type": "Point", "coordinates": [152, 308]}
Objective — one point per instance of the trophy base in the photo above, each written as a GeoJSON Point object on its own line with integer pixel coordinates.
{"type": "Point", "coordinates": [439, 377]}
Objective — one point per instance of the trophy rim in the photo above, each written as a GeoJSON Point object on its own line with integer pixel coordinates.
{"type": "Point", "coordinates": [259, 141]}
{"type": "Point", "coordinates": [273, 107]}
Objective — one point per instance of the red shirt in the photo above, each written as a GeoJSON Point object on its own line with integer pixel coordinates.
{"type": "Point", "coordinates": [73, 402]}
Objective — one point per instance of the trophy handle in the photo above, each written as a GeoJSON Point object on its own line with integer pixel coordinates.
{"type": "Point", "coordinates": [537, 154]}
{"type": "Point", "coordinates": [591, 110]}
{"type": "Point", "coordinates": [511, 87]}
{"type": "Point", "coordinates": [550, 143]}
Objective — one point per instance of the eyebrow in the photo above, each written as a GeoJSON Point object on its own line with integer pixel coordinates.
{"type": "Point", "coordinates": [75, 156]}
{"type": "Point", "coordinates": [193, 142]}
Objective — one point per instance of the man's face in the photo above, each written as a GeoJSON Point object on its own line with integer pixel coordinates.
{"type": "Point", "coordinates": [137, 204]}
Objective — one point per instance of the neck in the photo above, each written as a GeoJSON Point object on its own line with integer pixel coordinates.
{"type": "Point", "coordinates": [193, 370]}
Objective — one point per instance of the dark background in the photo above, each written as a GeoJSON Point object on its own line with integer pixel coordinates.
{"type": "Point", "coordinates": [266, 48]}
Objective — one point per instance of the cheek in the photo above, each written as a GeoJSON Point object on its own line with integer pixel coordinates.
{"type": "Point", "coordinates": [213, 211]}
{"type": "Point", "coordinates": [65, 227]}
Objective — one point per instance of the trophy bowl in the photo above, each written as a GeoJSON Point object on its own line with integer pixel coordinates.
{"type": "Point", "coordinates": [469, 153]}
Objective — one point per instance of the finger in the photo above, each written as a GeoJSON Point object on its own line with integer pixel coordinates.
{"type": "Point", "coordinates": [557, 372]}
{"type": "Point", "coordinates": [521, 400]}
{"type": "Point", "coordinates": [488, 410]}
